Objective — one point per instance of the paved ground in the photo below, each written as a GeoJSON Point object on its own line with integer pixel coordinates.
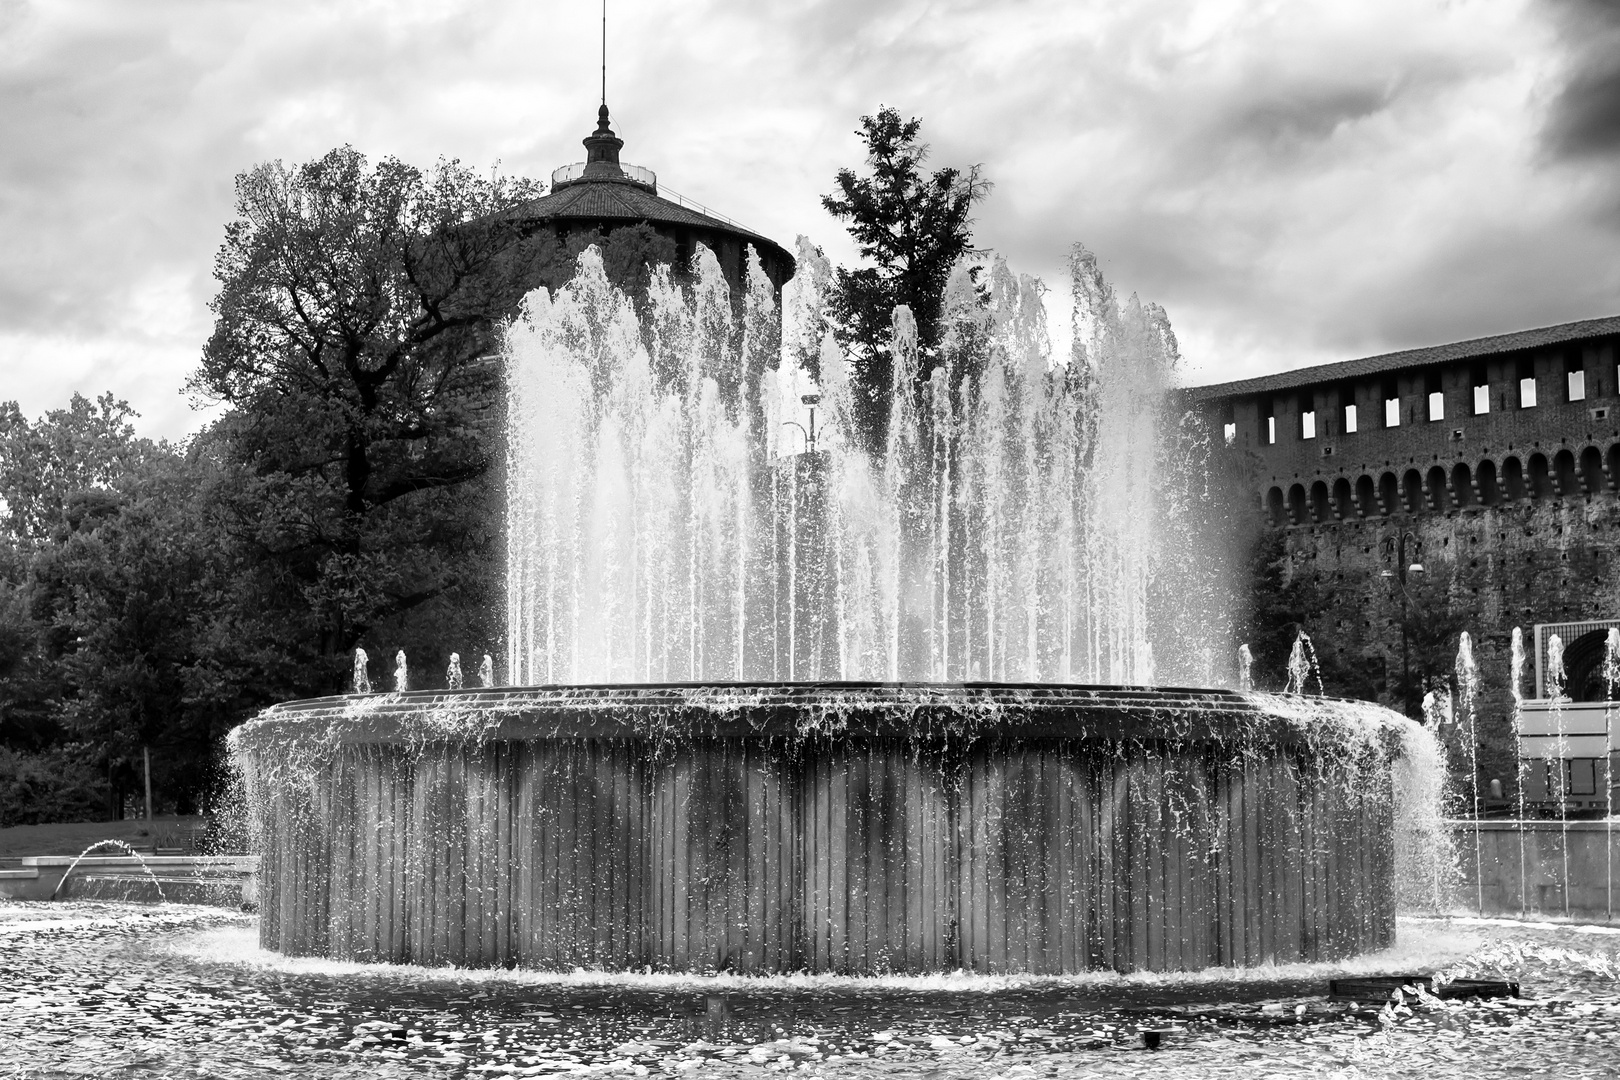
{"type": "Point", "coordinates": [89, 989]}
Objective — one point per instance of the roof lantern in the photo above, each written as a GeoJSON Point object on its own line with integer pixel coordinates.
{"type": "Point", "coordinates": [602, 161]}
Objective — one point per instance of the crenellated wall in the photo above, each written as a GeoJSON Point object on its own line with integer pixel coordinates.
{"type": "Point", "coordinates": [1495, 461]}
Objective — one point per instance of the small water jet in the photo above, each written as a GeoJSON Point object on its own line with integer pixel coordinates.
{"type": "Point", "coordinates": [120, 845]}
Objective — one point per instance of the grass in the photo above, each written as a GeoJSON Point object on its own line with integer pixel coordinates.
{"type": "Point", "coordinates": [70, 838]}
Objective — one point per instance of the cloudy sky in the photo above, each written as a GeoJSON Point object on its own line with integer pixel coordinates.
{"type": "Point", "coordinates": [1297, 182]}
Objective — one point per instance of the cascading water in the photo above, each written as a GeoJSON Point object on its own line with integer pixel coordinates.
{"type": "Point", "coordinates": [1011, 529]}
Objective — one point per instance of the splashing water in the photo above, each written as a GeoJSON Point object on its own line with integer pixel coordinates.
{"type": "Point", "coordinates": [362, 681]}
{"type": "Point", "coordinates": [1010, 526]}
{"type": "Point", "coordinates": [1467, 673]}
{"type": "Point", "coordinates": [452, 677]}
{"type": "Point", "coordinates": [401, 677]}
{"type": "Point", "coordinates": [486, 672]}
{"type": "Point", "coordinates": [1245, 668]}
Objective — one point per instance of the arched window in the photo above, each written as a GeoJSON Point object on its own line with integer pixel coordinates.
{"type": "Point", "coordinates": [1462, 486]}
{"type": "Point", "coordinates": [1367, 498]}
{"type": "Point", "coordinates": [1437, 490]}
{"type": "Point", "coordinates": [1321, 511]}
{"type": "Point", "coordinates": [1412, 491]}
{"type": "Point", "coordinates": [1489, 493]}
{"type": "Point", "coordinates": [1297, 510]}
{"type": "Point", "coordinates": [1389, 494]}
{"type": "Point", "coordinates": [1612, 459]}
{"type": "Point", "coordinates": [1583, 667]}
{"type": "Point", "coordinates": [1592, 478]}
{"type": "Point", "coordinates": [1568, 485]}
{"type": "Point", "coordinates": [1513, 488]}
{"type": "Point", "coordinates": [1344, 503]}
{"type": "Point", "coordinates": [1540, 482]}
{"type": "Point", "coordinates": [1276, 507]}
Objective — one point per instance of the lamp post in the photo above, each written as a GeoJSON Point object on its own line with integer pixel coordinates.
{"type": "Point", "coordinates": [811, 400]}
{"type": "Point", "coordinates": [1395, 546]}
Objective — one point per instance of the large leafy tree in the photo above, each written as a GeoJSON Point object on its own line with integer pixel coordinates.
{"type": "Point", "coordinates": [355, 329]}
{"type": "Point", "coordinates": [913, 228]}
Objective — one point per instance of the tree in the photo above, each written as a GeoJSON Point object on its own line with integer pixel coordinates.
{"type": "Point", "coordinates": [358, 314]}
{"type": "Point", "coordinates": [914, 229]}
{"type": "Point", "coordinates": [86, 446]}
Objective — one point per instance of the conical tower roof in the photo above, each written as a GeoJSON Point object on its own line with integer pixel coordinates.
{"type": "Point", "coordinates": [603, 192]}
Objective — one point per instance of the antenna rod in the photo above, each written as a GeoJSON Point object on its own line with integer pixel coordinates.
{"type": "Point", "coordinates": [604, 52]}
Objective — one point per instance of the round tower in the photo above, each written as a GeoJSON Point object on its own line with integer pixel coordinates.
{"type": "Point", "coordinates": [602, 193]}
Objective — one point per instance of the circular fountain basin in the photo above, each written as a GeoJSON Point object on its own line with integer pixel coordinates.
{"type": "Point", "coordinates": [845, 827]}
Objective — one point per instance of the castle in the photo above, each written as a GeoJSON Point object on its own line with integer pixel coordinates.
{"type": "Point", "coordinates": [1468, 486]}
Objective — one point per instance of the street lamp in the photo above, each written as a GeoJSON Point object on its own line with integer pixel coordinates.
{"type": "Point", "coordinates": [811, 400]}
{"type": "Point", "coordinates": [1396, 545]}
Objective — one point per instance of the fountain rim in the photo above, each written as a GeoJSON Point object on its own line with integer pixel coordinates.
{"type": "Point", "coordinates": [914, 710]}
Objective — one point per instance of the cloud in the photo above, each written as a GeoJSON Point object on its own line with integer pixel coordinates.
{"type": "Point", "coordinates": [1296, 182]}
{"type": "Point", "coordinates": [1585, 115]}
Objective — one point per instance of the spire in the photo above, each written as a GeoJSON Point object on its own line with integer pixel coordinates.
{"type": "Point", "coordinates": [602, 149]}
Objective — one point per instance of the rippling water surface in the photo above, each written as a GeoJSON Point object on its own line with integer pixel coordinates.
{"type": "Point", "coordinates": [93, 989]}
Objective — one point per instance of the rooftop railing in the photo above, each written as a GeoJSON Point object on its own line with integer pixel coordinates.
{"type": "Point", "coordinates": [569, 173]}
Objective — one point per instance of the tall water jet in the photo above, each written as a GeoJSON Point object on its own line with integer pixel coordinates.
{"type": "Point", "coordinates": [1611, 677]}
{"type": "Point", "coordinates": [1560, 790]}
{"type": "Point", "coordinates": [660, 527]}
{"type": "Point", "coordinates": [1516, 688]}
{"type": "Point", "coordinates": [1245, 677]}
{"type": "Point", "coordinates": [1467, 674]}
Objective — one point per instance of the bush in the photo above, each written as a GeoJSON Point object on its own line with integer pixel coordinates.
{"type": "Point", "coordinates": [58, 784]}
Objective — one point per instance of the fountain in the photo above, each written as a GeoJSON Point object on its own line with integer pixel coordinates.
{"type": "Point", "coordinates": [778, 711]}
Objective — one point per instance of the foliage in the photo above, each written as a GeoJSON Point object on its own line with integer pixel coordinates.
{"type": "Point", "coordinates": [913, 229]}
{"type": "Point", "coordinates": [57, 784]}
{"type": "Point", "coordinates": [354, 334]}
{"type": "Point", "coordinates": [81, 448]}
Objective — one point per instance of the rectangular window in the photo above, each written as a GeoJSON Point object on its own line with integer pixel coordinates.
{"type": "Point", "coordinates": [1527, 392]}
{"type": "Point", "coordinates": [1583, 773]}
{"type": "Point", "coordinates": [1577, 385]}
{"type": "Point", "coordinates": [1437, 405]}
{"type": "Point", "coordinates": [1392, 412]}
{"type": "Point", "coordinates": [1307, 424]}
{"type": "Point", "coordinates": [1271, 431]}
{"type": "Point", "coordinates": [1349, 419]}
{"type": "Point", "coordinates": [1482, 399]}
{"type": "Point", "coordinates": [1229, 430]}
